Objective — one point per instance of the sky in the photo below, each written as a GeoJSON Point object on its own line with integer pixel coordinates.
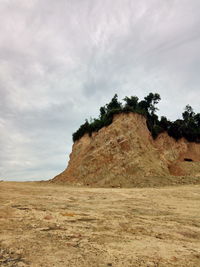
{"type": "Point", "coordinates": [61, 60]}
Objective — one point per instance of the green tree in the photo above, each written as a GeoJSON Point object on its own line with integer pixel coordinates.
{"type": "Point", "coordinates": [102, 112]}
{"type": "Point", "coordinates": [131, 102]}
{"type": "Point", "coordinates": [114, 104]}
{"type": "Point", "coordinates": [188, 114]}
{"type": "Point", "coordinates": [176, 129]}
{"type": "Point", "coordinates": [197, 120]}
{"type": "Point", "coordinates": [151, 101]}
{"type": "Point", "coordinates": [164, 123]}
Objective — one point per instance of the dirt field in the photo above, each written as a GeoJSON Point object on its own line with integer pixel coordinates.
{"type": "Point", "coordinates": [49, 225]}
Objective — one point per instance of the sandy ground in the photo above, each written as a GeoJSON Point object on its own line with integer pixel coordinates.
{"type": "Point", "coordinates": [45, 224]}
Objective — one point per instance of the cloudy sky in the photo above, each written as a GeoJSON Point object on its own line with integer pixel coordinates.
{"type": "Point", "coordinates": [61, 60]}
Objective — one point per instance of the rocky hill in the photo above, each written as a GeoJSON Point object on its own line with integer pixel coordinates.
{"type": "Point", "coordinates": [125, 154]}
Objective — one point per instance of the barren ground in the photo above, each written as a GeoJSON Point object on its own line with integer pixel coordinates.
{"type": "Point", "coordinates": [44, 224]}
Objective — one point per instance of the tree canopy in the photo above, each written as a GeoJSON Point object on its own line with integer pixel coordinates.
{"type": "Point", "coordinates": [187, 127]}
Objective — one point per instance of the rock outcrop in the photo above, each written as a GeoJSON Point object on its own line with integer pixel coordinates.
{"type": "Point", "coordinates": [125, 151]}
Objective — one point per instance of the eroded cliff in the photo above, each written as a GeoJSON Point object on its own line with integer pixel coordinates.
{"type": "Point", "coordinates": [125, 151]}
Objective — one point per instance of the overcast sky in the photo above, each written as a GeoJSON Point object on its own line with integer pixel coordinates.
{"type": "Point", "coordinates": [61, 60]}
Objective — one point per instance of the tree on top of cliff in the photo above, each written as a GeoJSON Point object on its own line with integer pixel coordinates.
{"type": "Point", "coordinates": [152, 100]}
{"type": "Point", "coordinates": [188, 127]}
{"type": "Point", "coordinates": [114, 104]}
{"type": "Point", "coordinates": [131, 102]}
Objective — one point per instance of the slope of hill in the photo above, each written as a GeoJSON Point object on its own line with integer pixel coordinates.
{"type": "Point", "coordinates": [125, 154]}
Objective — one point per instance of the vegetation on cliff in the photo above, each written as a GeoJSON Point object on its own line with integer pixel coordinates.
{"type": "Point", "coordinates": [187, 127]}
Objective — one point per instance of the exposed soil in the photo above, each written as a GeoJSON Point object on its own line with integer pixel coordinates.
{"type": "Point", "coordinates": [43, 224]}
{"type": "Point", "coordinates": [124, 151]}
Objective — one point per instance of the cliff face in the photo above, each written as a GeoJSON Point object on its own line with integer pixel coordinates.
{"type": "Point", "coordinates": [124, 151]}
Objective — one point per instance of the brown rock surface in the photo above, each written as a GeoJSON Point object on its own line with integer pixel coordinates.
{"type": "Point", "coordinates": [125, 150]}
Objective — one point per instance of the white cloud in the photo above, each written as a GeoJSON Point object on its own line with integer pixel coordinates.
{"type": "Point", "coordinates": [61, 60]}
